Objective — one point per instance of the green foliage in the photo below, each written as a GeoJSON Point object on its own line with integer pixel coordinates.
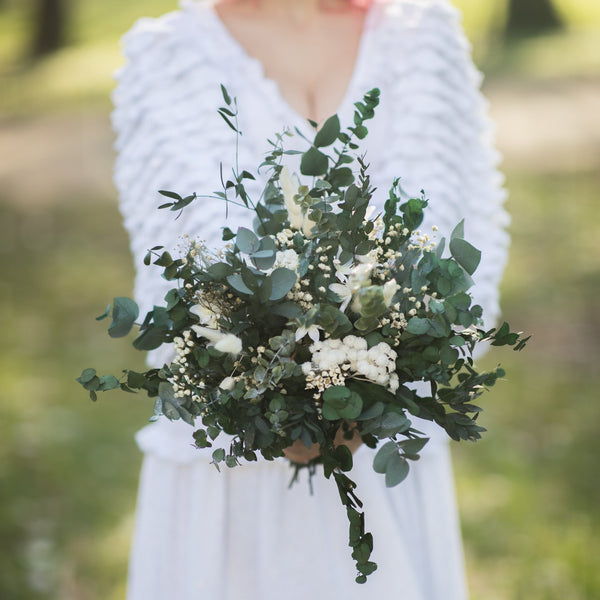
{"type": "Point", "coordinates": [341, 403]}
{"type": "Point", "coordinates": [389, 461]}
{"type": "Point", "coordinates": [282, 281]}
{"type": "Point", "coordinates": [328, 133]}
{"type": "Point", "coordinates": [125, 312]}
{"type": "Point", "coordinates": [247, 241]}
{"type": "Point", "coordinates": [314, 162]}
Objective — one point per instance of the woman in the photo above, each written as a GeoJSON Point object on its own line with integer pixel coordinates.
{"type": "Point", "coordinates": [241, 534]}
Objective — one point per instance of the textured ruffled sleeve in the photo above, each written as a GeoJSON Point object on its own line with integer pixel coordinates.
{"type": "Point", "coordinates": [169, 136]}
{"type": "Point", "coordinates": [442, 136]}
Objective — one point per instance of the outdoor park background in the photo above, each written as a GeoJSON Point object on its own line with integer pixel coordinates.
{"type": "Point", "coordinates": [529, 492]}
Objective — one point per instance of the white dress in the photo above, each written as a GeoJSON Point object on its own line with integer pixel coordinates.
{"type": "Point", "coordinates": [242, 534]}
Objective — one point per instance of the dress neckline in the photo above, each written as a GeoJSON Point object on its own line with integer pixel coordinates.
{"type": "Point", "coordinates": [272, 87]}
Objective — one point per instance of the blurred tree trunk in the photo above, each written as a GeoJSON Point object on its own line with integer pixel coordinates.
{"type": "Point", "coordinates": [531, 16]}
{"type": "Point", "coordinates": [50, 26]}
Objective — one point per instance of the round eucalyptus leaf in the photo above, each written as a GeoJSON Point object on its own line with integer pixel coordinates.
{"type": "Point", "coordinates": [328, 132]}
{"type": "Point", "coordinates": [87, 375]}
{"type": "Point", "coordinates": [247, 241]}
{"type": "Point", "coordinates": [383, 455]}
{"type": "Point", "coordinates": [396, 470]}
{"type": "Point", "coordinates": [314, 163]}
{"type": "Point", "coordinates": [282, 280]}
{"type": "Point", "coordinates": [418, 326]}
{"type": "Point", "coordinates": [125, 312]}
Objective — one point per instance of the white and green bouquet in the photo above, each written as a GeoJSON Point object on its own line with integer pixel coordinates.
{"type": "Point", "coordinates": [316, 323]}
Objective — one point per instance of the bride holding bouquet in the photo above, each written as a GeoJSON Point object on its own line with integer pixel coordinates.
{"type": "Point", "coordinates": [241, 533]}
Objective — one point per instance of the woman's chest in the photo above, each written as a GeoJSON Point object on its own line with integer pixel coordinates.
{"type": "Point", "coordinates": [311, 62]}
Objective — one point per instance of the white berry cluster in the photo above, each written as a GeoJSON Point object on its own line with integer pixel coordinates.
{"type": "Point", "coordinates": [349, 357]}
{"type": "Point", "coordinates": [285, 238]}
{"type": "Point", "coordinates": [198, 252]}
{"type": "Point", "coordinates": [422, 241]}
{"type": "Point", "coordinates": [378, 227]}
{"type": "Point", "coordinates": [321, 380]}
{"type": "Point", "coordinates": [300, 294]}
{"type": "Point", "coordinates": [184, 381]}
{"type": "Point", "coordinates": [396, 319]}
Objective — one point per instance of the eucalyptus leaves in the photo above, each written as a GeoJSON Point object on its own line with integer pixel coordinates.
{"type": "Point", "coordinates": [318, 319]}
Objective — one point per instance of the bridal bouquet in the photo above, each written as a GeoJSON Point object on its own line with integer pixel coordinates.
{"type": "Point", "coordinates": [316, 323]}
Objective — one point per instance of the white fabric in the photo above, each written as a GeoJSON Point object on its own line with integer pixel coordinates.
{"type": "Point", "coordinates": [242, 533]}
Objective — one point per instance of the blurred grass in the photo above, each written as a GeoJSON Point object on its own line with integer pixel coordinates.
{"type": "Point", "coordinates": [528, 493]}
{"type": "Point", "coordinates": [79, 74]}
{"type": "Point", "coordinates": [68, 469]}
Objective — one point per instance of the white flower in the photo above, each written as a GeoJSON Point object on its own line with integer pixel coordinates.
{"type": "Point", "coordinates": [289, 188]}
{"type": "Point", "coordinates": [343, 291]}
{"type": "Point", "coordinates": [227, 384]}
{"type": "Point", "coordinates": [287, 259]}
{"type": "Point", "coordinates": [206, 315]}
{"type": "Point", "coordinates": [381, 379]}
{"type": "Point", "coordinates": [348, 356]}
{"type": "Point", "coordinates": [230, 344]}
{"type": "Point", "coordinates": [360, 276]}
{"type": "Point", "coordinates": [385, 349]}
{"type": "Point", "coordinates": [223, 342]}
{"type": "Point", "coordinates": [308, 225]}
{"type": "Point", "coordinates": [394, 383]}
{"type": "Point", "coordinates": [381, 360]}
{"type": "Point", "coordinates": [297, 216]}
{"type": "Point", "coordinates": [389, 290]}
{"type": "Point", "coordinates": [356, 305]}
{"type": "Point", "coordinates": [370, 258]}
{"type": "Point", "coordinates": [355, 342]}
{"type": "Point", "coordinates": [342, 270]}
{"type": "Point", "coordinates": [209, 333]}
{"type": "Point", "coordinates": [312, 332]}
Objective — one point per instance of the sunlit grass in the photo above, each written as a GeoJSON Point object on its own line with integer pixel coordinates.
{"type": "Point", "coordinates": [572, 53]}
{"type": "Point", "coordinates": [71, 466]}
{"type": "Point", "coordinates": [80, 74]}
{"type": "Point", "coordinates": [528, 501]}
{"type": "Point", "coordinates": [580, 13]}
{"type": "Point", "coordinates": [74, 78]}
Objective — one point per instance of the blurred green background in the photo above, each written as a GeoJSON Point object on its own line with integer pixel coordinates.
{"type": "Point", "coordinates": [529, 492]}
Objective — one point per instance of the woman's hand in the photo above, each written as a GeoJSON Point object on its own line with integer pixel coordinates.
{"type": "Point", "coordinates": [300, 454]}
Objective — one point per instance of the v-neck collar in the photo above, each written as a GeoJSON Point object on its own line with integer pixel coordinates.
{"type": "Point", "coordinates": [273, 87]}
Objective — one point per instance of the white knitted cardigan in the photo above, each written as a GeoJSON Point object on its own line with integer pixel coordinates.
{"type": "Point", "coordinates": [431, 129]}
